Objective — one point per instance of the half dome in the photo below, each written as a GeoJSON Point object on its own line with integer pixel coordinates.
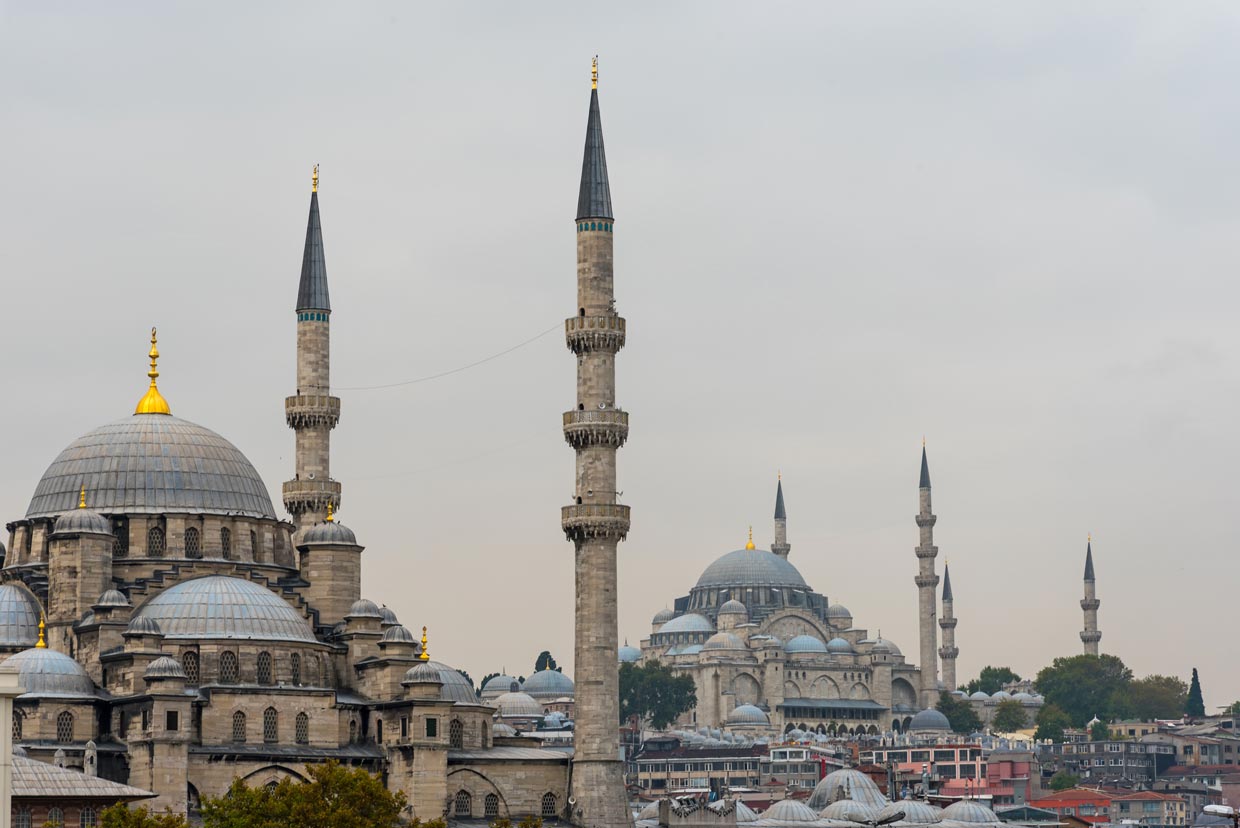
{"type": "Point", "coordinates": [218, 606]}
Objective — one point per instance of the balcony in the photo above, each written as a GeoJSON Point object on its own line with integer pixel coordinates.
{"type": "Point", "coordinates": [310, 495]}
{"type": "Point", "coordinates": [589, 521]}
{"type": "Point", "coordinates": [606, 427]}
{"type": "Point", "coordinates": [594, 333]}
{"type": "Point", "coordinates": [311, 410]}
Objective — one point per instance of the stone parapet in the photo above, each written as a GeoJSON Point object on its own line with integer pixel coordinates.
{"type": "Point", "coordinates": [948, 623]}
{"type": "Point", "coordinates": [311, 410]}
{"type": "Point", "coordinates": [310, 495]}
{"type": "Point", "coordinates": [924, 581]}
{"type": "Point", "coordinates": [609, 427]}
{"type": "Point", "coordinates": [595, 520]}
{"type": "Point", "coordinates": [926, 552]}
{"type": "Point", "coordinates": [594, 333]}
{"type": "Point", "coordinates": [926, 520]}
{"type": "Point", "coordinates": [1091, 636]}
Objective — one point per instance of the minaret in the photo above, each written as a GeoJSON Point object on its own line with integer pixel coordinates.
{"type": "Point", "coordinates": [313, 412]}
{"type": "Point", "coordinates": [947, 624]}
{"type": "Point", "coordinates": [596, 522]}
{"type": "Point", "coordinates": [926, 581]}
{"type": "Point", "coordinates": [780, 547]}
{"type": "Point", "coordinates": [1091, 635]}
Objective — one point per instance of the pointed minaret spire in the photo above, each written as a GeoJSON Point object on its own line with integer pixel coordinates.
{"type": "Point", "coordinates": [312, 290]}
{"type": "Point", "coordinates": [1091, 635]}
{"type": "Point", "coordinates": [925, 467]}
{"type": "Point", "coordinates": [947, 583]}
{"type": "Point", "coordinates": [780, 547]}
{"type": "Point", "coordinates": [926, 581]}
{"type": "Point", "coordinates": [594, 198]}
{"type": "Point", "coordinates": [947, 624]}
{"type": "Point", "coordinates": [1089, 558]}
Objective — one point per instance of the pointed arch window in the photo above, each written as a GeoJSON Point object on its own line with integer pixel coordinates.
{"type": "Point", "coordinates": [303, 729]}
{"type": "Point", "coordinates": [264, 667]}
{"type": "Point", "coordinates": [271, 725]}
{"type": "Point", "coordinates": [226, 543]}
{"type": "Point", "coordinates": [189, 663]}
{"type": "Point", "coordinates": [352, 731]}
{"type": "Point", "coordinates": [193, 544]}
{"type": "Point", "coordinates": [55, 818]}
{"type": "Point", "coordinates": [456, 734]}
{"type": "Point", "coordinates": [295, 661]}
{"type": "Point", "coordinates": [238, 727]}
{"type": "Point", "coordinates": [120, 538]}
{"type": "Point", "coordinates": [464, 804]}
{"type": "Point", "coordinates": [548, 805]}
{"type": "Point", "coordinates": [17, 726]}
{"type": "Point", "coordinates": [490, 806]}
{"type": "Point", "coordinates": [64, 727]}
{"type": "Point", "coordinates": [229, 670]}
{"type": "Point", "coordinates": [155, 542]}
{"type": "Point", "coordinates": [87, 818]}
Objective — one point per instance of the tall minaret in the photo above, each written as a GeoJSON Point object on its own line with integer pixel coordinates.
{"type": "Point", "coordinates": [313, 412]}
{"type": "Point", "coordinates": [596, 522]}
{"type": "Point", "coordinates": [1091, 635]}
{"type": "Point", "coordinates": [780, 547]}
{"type": "Point", "coordinates": [947, 624]}
{"type": "Point", "coordinates": [926, 581]}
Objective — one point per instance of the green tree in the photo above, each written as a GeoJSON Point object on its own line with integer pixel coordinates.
{"type": "Point", "coordinates": [1009, 716]}
{"type": "Point", "coordinates": [332, 797]}
{"type": "Point", "coordinates": [960, 714]}
{"type": "Point", "coordinates": [1155, 697]}
{"type": "Point", "coordinates": [121, 816]}
{"type": "Point", "coordinates": [545, 662]}
{"type": "Point", "coordinates": [1195, 705]}
{"type": "Point", "coordinates": [654, 693]}
{"type": "Point", "coordinates": [991, 680]}
{"type": "Point", "coordinates": [1051, 722]}
{"type": "Point", "coordinates": [1085, 686]}
{"type": "Point", "coordinates": [1099, 732]}
{"type": "Point", "coordinates": [1062, 781]}
{"type": "Point", "coordinates": [1232, 710]}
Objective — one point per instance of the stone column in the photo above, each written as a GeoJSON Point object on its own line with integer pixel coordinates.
{"type": "Point", "coordinates": [10, 688]}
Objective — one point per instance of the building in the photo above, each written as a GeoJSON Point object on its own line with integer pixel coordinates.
{"type": "Point", "coordinates": [1150, 808]}
{"type": "Point", "coordinates": [1089, 804]}
{"type": "Point", "coordinates": [45, 794]}
{"type": "Point", "coordinates": [1111, 761]}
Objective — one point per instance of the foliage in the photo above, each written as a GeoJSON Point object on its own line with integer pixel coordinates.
{"type": "Point", "coordinates": [332, 797]}
{"type": "Point", "coordinates": [1232, 710]}
{"type": "Point", "coordinates": [470, 680]}
{"type": "Point", "coordinates": [1085, 686]}
{"type": "Point", "coordinates": [654, 692]}
{"type": "Point", "coordinates": [1099, 732]}
{"type": "Point", "coordinates": [1051, 722]}
{"type": "Point", "coordinates": [1062, 781]}
{"type": "Point", "coordinates": [438, 822]}
{"type": "Point", "coordinates": [1009, 716]}
{"type": "Point", "coordinates": [991, 680]}
{"type": "Point", "coordinates": [1154, 697]}
{"type": "Point", "coordinates": [545, 662]}
{"type": "Point", "coordinates": [960, 714]}
{"type": "Point", "coordinates": [482, 683]}
{"type": "Point", "coordinates": [1195, 705]}
{"type": "Point", "coordinates": [120, 816]}
{"type": "Point", "coordinates": [530, 822]}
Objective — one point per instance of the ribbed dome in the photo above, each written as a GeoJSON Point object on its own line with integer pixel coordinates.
{"type": "Point", "coordinates": [747, 714]}
{"type": "Point", "coordinates": [663, 616]}
{"type": "Point", "coordinates": [456, 688]}
{"type": "Point", "coordinates": [218, 606]}
{"type": "Point", "coordinates": [364, 608]}
{"type": "Point", "coordinates": [881, 645]}
{"type": "Point", "coordinates": [858, 787]}
{"type": "Point", "coordinates": [839, 646]}
{"type": "Point", "coordinates": [518, 705]}
{"type": "Point", "coordinates": [422, 673]}
{"type": "Point", "coordinates": [548, 684]}
{"type": "Point", "coordinates": [629, 655]}
{"type": "Point", "coordinates": [388, 615]}
{"type": "Point", "coordinates": [724, 641]}
{"type": "Point", "coordinates": [970, 810]}
{"type": "Point", "coordinates": [44, 672]}
{"type": "Point", "coordinates": [112, 598]}
{"type": "Point", "coordinates": [751, 567]}
{"type": "Point", "coordinates": [980, 695]}
{"type": "Point", "coordinates": [497, 685]}
{"type": "Point", "coordinates": [82, 522]}
{"type": "Point", "coordinates": [805, 644]}
{"type": "Point", "coordinates": [744, 813]}
{"type": "Point", "coordinates": [501, 729]}
{"type": "Point", "coordinates": [152, 464]}
{"type": "Point", "coordinates": [848, 810]}
{"type": "Point", "coordinates": [164, 667]}
{"type": "Point", "coordinates": [329, 532]}
{"type": "Point", "coordinates": [929, 719]}
{"type": "Point", "coordinates": [143, 625]}
{"type": "Point", "coordinates": [916, 812]}
{"type": "Point", "coordinates": [398, 634]}
{"type": "Point", "coordinates": [789, 811]}
{"type": "Point", "coordinates": [689, 622]}
{"type": "Point", "coordinates": [733, 607]}
{"type": "Point", "coordinates": [19, 616]}
{"type": "Point", "coordinates": [838, 611]}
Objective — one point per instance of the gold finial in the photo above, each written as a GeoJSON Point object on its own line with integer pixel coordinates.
{"type": "Point", "coordinates": [330, 518]}
{"type": "Point", "coordinates": [153, 402]}
{"type": "Point", "coordinates": [1089, 537]}
{"type": "Point", "coordinates": [750, 545]}
{"type": "Point", "coordinates": [42, 645]}
{"type": "Point", "coordinates": [594, 73]}
{"type": "Point", "coordinates": [314, 180]}
{"type": "Point", "coordinates": [426, 656]}
{"type": "Point", "coordinates": [923, 441]}
{"type": "Point", "coordinates": [779, 474]}
{"type": "Point", "coordinates": [82, 497]}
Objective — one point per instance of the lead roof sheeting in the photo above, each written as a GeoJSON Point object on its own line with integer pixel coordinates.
{"type": "Point", "coordinates": [594, 198]}
{"type": "Point", "coordinates": [218, 606]}
{"type": "Point", "coordinates": [312, 289]}
{"type": "Point", "coordinates": [38, 780]}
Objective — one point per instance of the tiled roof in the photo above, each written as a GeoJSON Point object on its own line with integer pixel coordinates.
{"type": "Point", "coordinates": [38, 780]}
{"type": "Point", "coordinates": [1150, 795]}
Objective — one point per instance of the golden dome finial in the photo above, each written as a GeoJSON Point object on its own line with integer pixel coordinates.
{"type": "Point", "coordinates": [82, 497]}
{"type": "Point", "coordinates": [314, 180]}
{"type": "Point", "coordinates": [750, 545]}
{"type": "Point", "coordinates": [594, 73]}
{"type": "Point", "coordinates": [330, 517]}
{"type": "Point", "coordinates": [153, 402]}
{"type": "Point", "coordinates": [426, 656]}
{"type": "Point", "coordinates": [42, 645]}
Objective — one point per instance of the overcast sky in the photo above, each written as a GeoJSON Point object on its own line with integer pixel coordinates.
{"type": "Point", "coordinates": [1011, 228]}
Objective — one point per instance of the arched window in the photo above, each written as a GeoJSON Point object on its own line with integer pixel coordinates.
{"type": "Point", "coordinates": [548, 806]}
{"type": "Point", "coordinates": [254, 545]}
{"type": "Point", "coordinates": [17, 726]}
{"type": "Point", "coordinates": [64, 727]}
{"type": "Point", "coordinates": [456, 734]}
{"type": "Point", "coordinates": [55, 818]}
{"type": "Point", "coordinates": [88, 818]}
{"type": "Point", "coordinates": [21, 817]}
{"type": "Point", "coordinates": [464, 804]}
{"type": "Point", "coordinates": [226, 543]}
{"type": "Point", "coordinates": [189, 663]}
{"type": "Point", "coordinates": [120, 539]}
{"type": "Point", "coordinates": [193, 547]}
{"type": "Point", "coordinates": [155, 542]}
{"type": "Point", "coordinates": [379, 731]}
{"type": "Point", "coordinates": [271, 725]}
{"type": "Point", "coordinates": [303, 729]}
{"type": "Point", "coordinates": [264, 667]}
{"type": "Point", "coordinates": [490, 806]}
{"type": "Point", "coordinates": [238, 729]}
{"type": "Point", "coordinates": [312, 669]}
{"type": "Point", "coordinates": [295, 661]}
{"type": "Point", "coordinates": [352, 731]}
{"type": "Point", "coordinates": [229, 671]}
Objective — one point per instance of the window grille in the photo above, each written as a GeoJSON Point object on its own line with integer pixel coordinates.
{"type": "Point", "coordinates": [303, 729]}
{"type": "Point", "coordinates": [238, 727]}
{"type": "Point", "coordinates": [490, 806]}
{"type": "Point", "coordinates": [226, 543]}
{"type": "Point", "coordinates": [229, 670]}
{"type": "Point", "coordinates": [193, 547]}
{"type": "Point", "coordinates": [17, 726]}
{"type": "Point", "coordinates": [264, 668]}
{"type": "Point", "coordinates": [296, 662]}
{"type": "Point", "coordinates": [456, 734]}
{"type": "Point", "coordinates": [155, 542]}
{"type": "Point", "coordinates": [271, 725]}
{"type": "Point", "coordinates": [464, 804]}
{"type": "Point", "coordinates": [120, 539]}
{"type": "Point", "coordinates": [87, 818]}
{"type": "Point", "coordinates": [548, 805]}
{"type": "Point", "coordinates": [64, 727]}
{"type": "Point", "coordinates": [189, 663]}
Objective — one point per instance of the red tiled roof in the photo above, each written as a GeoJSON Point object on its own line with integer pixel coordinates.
{"type": "Point", "coordinates": [1152, 795]}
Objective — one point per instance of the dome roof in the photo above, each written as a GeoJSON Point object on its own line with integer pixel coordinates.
{"type": "Point", "coordinates": [218, 606]}
{"type": "Point", "coordinates": [422, 673]}
{"type": "Point", "coordinates": [689, 622]}
{"type": "Point", "coordinates": [690, 649]}
{"type": "Point", "coordinates": [501, 729]}
{"type": "Point", "coordinates": [744, 813]}
{"type": "Point", "coordinates": [143, 625]}
{"type": "Point", "coordinates": [82, 521]}
{"type": "Point", "coordinates": [399, 634]}
{"type": "Point", "coordinates": [970, 810]}
{"type": "Point", "coordinates": [518, 705]}
{"type": "Point", "coordinates": [364, 608]}
{"type": "Point", "coordinates": [847, 810]}
{"type": "Point", "coordinates": [839, 646]}
{"type": "Point", "coordinates": [789, 810]}
{"type": "Point", "coordinates": [1000, 695]}
{"type": "Point", "coordinates": [456, 688]}
{"type": "Point", "coordinates": [152, 463]}
{"type": "Point", "coordinates": [747, 714]}
{"type": "Point", "coordinates": [19, 616]}
{"type": "Point", "coordinates": [45, 672]}
{"type": "Point", "coordinates": [733, 607]}
{"type": "Point", "coordinates": [164, 667]}
{"type": "Point", "coordinates": [980, 695]}
{"type": "Point", "coordinates": [838, 611]}
{"type": "Point", "coordinates": [855, 784]}
{"type": "Point", "coordinates": [548, 684]}
{"type": "Point", "coordinates": [328, 532]}
{"type": "Point", "coordinates": [916, 812]}
{"type": "Point", "coordinates": [629, 655]}
{"type": "Point", "coordinates": [929, 719]}
{"type": "Point", "coordinates": [751, 567]}
{"type": "Point", "coordinates": [388, 615]}
{"type": "Point", "coordinates": [112, 598]}
{"type": "Point", "coordinates": [724, 641]}
{"type": "Point", "coordinates": [663, 616]}
{"type": "Point", "coordinates": [1023, 697]}
{"type": "Point", "coordinates": [805, 644]}
{"type": "Point", "coordinates": [499, 684]}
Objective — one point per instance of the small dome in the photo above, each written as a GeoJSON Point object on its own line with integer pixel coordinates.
{"type": "Point", "coordinates": [497, 685]}
{"type": "Point", "coordinates": [724, 641]}
{"type": "Point", "coordinates": [328, 532]}
{"type": "Point", "coordinates": [733, 607]}
{"type": "Point", "coordinates": [1000, 695]}
{"type": "Point", "coordinates": [518, 705]}
{"type": "Point", "coordinates": [143, 625]}
{"type": "Point", "coordinates": [629, 655]}
{"type": "Point", "coordinates": [398, 634]}
{"type": "Point", "coordinates": [82, 522]}
{"type": "Point", "coordinates": [389, 617]}
{"type": "Point", "coordinates": [112, 598]}
{"type": "Point", "coordinates": [164, 667]}
{"type": "Point", "coordinates": [959, 694]}
{"type": "Point", "coordinates": [854, 784]}
{"type": "Point", "coordinates": [220, 606]}
{"type": "Point", "coordinates": [796, 734]}
{"type": "Point", "coordinates": [980, 695]}
{"type": "Point", "coordinates": [838, 611]}
{"type": "Point", "coordinates": [549, 684]}
{"type": "Point", "coordinates": [663, 616]}
{"type": "Point", "coordinates": [929, 719]}
{"type": "Point", "coordinates": [19, 616]}
{"type": "Point", "coordinates": [1037, 698]}
{"type": "Point", "coordinates": [882, 646]}
{"type": "Point", "coordinates": [44, 672]}
{"type": "Point", "coordinates": [1023, 697]}
{"type": "Point", "coordinates": [839, 646]}
{"type": "Point", "coordinates": [364, 608]}
{"type": "Point", "coordinates": [421, 673]}
{"type": "Point", "coordinates": [747, 714]}
{"type": "Point", "coordinates": [970, 810]}
{"type": "Point", "coordinates": [916, 812]}
{"type": "Point", "coordinates": [744, 813]}
{"type": "Point", "coordinates": [788, 811]}
{"type": "Point", "coordinates": [689, 622]}
{"type": "Point", "coordinates": [846, 810]}
{"type": "Point", "coordinates": [456, 688]}
{"type": "Point", "coordinates": [501, 729]}
{"type": "Point", "coordinates": [805, 644]}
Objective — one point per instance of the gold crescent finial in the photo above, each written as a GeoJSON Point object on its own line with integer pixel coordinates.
{"type": "Point", "coordinates": [153, 402]}
{"type": "Point", "coordinates": [1089, 537]}
{"type": "Point", "coordinates": [42, 645]}
{"type": "Point", "coordinates": [594, 73]}
{"type": "Point", "coordinates": [923, 441]}
{"type": "Point", "coordinates": [314, 180]}
{"type": "Point", "coordinates": [82, 497]}
{"type": "Point", "coordinates": [750, 545]}
{"type": "Point", "coordinates": [330, 517]}
{"type": "Point", "coordinates": [426, 656]}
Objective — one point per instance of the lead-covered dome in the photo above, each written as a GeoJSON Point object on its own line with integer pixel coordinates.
{"type": "Point", "coordinates": [456, 688]}
{"type": "Point", "coordinates": [789, 811]}
{"type": "Point", "coordinates": [751, 567]}
{"type": "Point", "coordinates": [839, 646]}
{"type": "Point", "coordinates": [855, 785]}
{"type": "Point", "coordinates": [82, 521]}
{"type": "Point", "coordinates": [929, 719]}
{"type": "Point", "coordinates": [152, 463]}
{"type": "Point", "coordinates": [689, 622]}
{"type": "Point", "coordinates": [970, 810]}
{"type": "Point", "coordinates": [516, 704]}
{"type": "Point", "coordinates": [19, 616]}
{"type": "Point", "coordinates": [805, 644]}
{"type": "Point", "coordinates": [628, 654]}
{"type": "Point", "coordinates": [328, 532]}
{"type": "Point", "coordinates": [44, 672]}
{"type": "Point", "coordinates": [549, 684]}
{"type": "Point", "coordinates": [747, 714]}
{"type": "Point", "coordinates": [218, 606]}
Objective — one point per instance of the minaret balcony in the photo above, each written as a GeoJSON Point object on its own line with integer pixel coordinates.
{"type": "Point", "coordinates": [949, 652]}
{"type": "Point", "coordinates": [305, 410]}
{"type": "Point", "coordinates": [1090, 604]}
{"type": "Point", "coordinates": [924, 581]}
{"type": "Point", "coordinates": [1091, 636]}
{"type": "Point", "coordinates": [926, 520]}
{"type": "Point", "coordinates": [947, 623]}
{"type": "Point", "coordinates": [926, 552]}
{"type": "Point", "coordinates": [606, 427]}
{"type": "Point", "coordinates": [594, 333]}
{"type": "Point", "coordinates": [590, 521]}
{"type": "Point", "coordinates": [310, 495]}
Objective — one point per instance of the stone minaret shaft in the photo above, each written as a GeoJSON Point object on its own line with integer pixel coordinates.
{"type": "Point", "coordinates": [926, 581]}
{"type": "Point", "coordinates": [1091, 635]}
{"type": "Point", "coordinates": [596, 522]}
{"type": "Point", "coordinates": [312, 413]}
{"type": "Point", "coordinates": [781, 547]}
{"type": "Point", "coordinates": [947, 624]}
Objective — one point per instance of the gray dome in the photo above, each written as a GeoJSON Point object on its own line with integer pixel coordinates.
{"type": "Point", "coordinates": [882, 645]}
{"type": "Point", "coordinates": [45, 672]}
{"type": "Point", "coordinates": [1023, 697]}
{"type": "Point", "coordinates": [970, 810]}
{"type": "Point", "coordinates": [399, 634]}
{"type": "Point", "coordinates": [629, 655]}
{"type": "Point", "coordinates": [689, 622]}
{"type": "Point", "coordinates": [859, 787]}
{"type": "Point", "coordinates": [150, 464]}
{"type": "Point", "coordinates": [496, 685]}
{"type": "Point", "coordinates": [916, 812]}
{"type": "Point", "coordinates": [388, 615]}
{"type": "Point", "coordinates": [744, 813]}
{"type": "Point", "coordinates": [805, 644]}
{"type": "Point", "coordinates": [518, 705]}
{"type": "Point", "coordinates": [218, 606]}
{"type": "Point", "coordinates": [751, 567]}
{"type": "Point", "coordinates": [663, 616]}
{"type": "Point", "coordinates": [789, 810]}
{"type": "Point", "coordinates": [980, 695]}
{"type": "Point", "coordinates": [456, 688]}
{"type": "Point", "coordinates": [143, 625]}
{"type": "Point", "coordinates": [82, 522]}
{"type": "Point", "coordinates": [364, 608]}
{"type": "Point", "coordinates": [733, 607]}
{"type": "Point", "coordinates": [838, 611]}
{"type": "Point", "coordinates": [328, 532]}
{"type": "Point", "coordinates": [501, 729]}
{"type": "Point", "coordinates": [724, 641]}
{"type": "Point", "coordinates": [549, 684]}
{"type": "Point", "coordinates": [112, 598]}
{"type": "Point", "coordinates": [19, 616]}
{"type": "Point", "coordinates": [1000, 695]}
{"type": "Point", "coordinates": [847, 810]}
{"type": "Point", "coordinates": [422, 673]}
{"type": "Point", "coordinates": [164, 667]}
{"type": "Point", "coordinates": [747, 714]}
{"type": "Point", "coordinates": [839, 646]}
{"type": "Point", "coordinates": [929, 719]}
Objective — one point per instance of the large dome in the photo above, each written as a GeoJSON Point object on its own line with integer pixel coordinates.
{"type": "Point", "coordinates": [751, 567]}
{"type": "Point", "coordinates": [218, 606]}
{"type": "Point", "coordinates": [152, 463]}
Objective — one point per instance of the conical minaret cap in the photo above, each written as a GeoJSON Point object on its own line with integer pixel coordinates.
{"type": "Point", "coordinates": [947, 583]}
{"type": "Point", "coordinates": [594, 199]}
{"type": "Point", "coordinates": [1089, 559]}
{"type": "Point", "coordinates": [780, 513]}
{"type": "Point", "coordinates": [312, 290]}
{"type": "Point", "coordinates": [925, 469]}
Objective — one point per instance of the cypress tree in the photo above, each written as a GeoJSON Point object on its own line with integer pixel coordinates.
{"type": "Point", "coordinates": [1195, 705]}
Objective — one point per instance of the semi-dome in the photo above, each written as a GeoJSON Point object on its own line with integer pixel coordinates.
{"type": "Point", "coordinates": [219, 606]}
{"type": "Point", "coordinates": [398, 634]}
{"type": "Point", "coordinates": [689, 622]}
{"type": "Point", "coordinates": [789, 811]}
{"type": "Point", "coordinates": [848, 810]}
{"type": "Point", "coordinates": [690, 649]}
{"type": "Point", "coordinates": [19, 616]}
{"type": "Point", "coordinates": [970, 810]}
{"type": "Point", "coordinates": [112, 598]}
{"type": "Point", "coordinates": [518, 705]}
{"type": "Point", "coordinates": [929, 719]}
{"type": "Point", "coordinates": [751, 567]}
{"type": "Point", "coordinates": [164, 667]}
{"type": "Point", "coordinates": [663, 616]}
{"type": "Point", "coordinates": [747, 714]}
{"type": "Point", "coordinates": [364, 608]}
{"type": "Point", "coordinates": [724, 641]}
{"type": "Point", "coordinates": [839, 646]}
{"type": "Point", "coordinates": [805, 644]}
{"type": "Point", "coordinates": [549, 684]}
{"type": "Point", "coordinates": [733, 607]}
{"type": "Point", "coordinates": [152, 463]}
{"type": "Point", "coordinates": [838, 611]}
{"type": "Point", "coordinates": [328, 532]}
{"type": "Point", "coordinates": [44, 672]}
{"type": "Point", "coordinates": [628, 654]}
{"type": "Point", "coordinates": [854, 784]}
{"type": "Point", "coordinates": [82, 521]}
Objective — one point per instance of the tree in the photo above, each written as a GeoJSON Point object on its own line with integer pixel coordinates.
{"type": "Point", "coordinates": [1009, 716]}
{"type": "Point", "coordinates": [1155, 697]}
{"type": "Point", "coordinates": [1099, 732]}
{"type": "Point", "coordinates": [120, 816]}
{"type": "Point", "coordinates": [655, 693]}
{"type": "Point", "coordinates": [991, 680]}
{"type": "Point", "coordinates": [1195, 705]}
{"type": "Point", "coordinates": [332, 797]}
{"type": "Point", "coordinates": [484, 681]}
{"type": "Point", "coordinates": [960, 714]}
{"type": "Point", "coordinates": [1063, 780]}
{"type": "Point", "coordinates": [1085, 686]}
{"type": "Point", "coordinates": [545, 662]}
{"type": "Point", "coordinates": [1232, 710]}
{"type": "Point", "coordinates": [1051, 722]}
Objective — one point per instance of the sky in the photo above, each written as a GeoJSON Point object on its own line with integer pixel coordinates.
{"type": "Point", "coordinates": [1008, 228]}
